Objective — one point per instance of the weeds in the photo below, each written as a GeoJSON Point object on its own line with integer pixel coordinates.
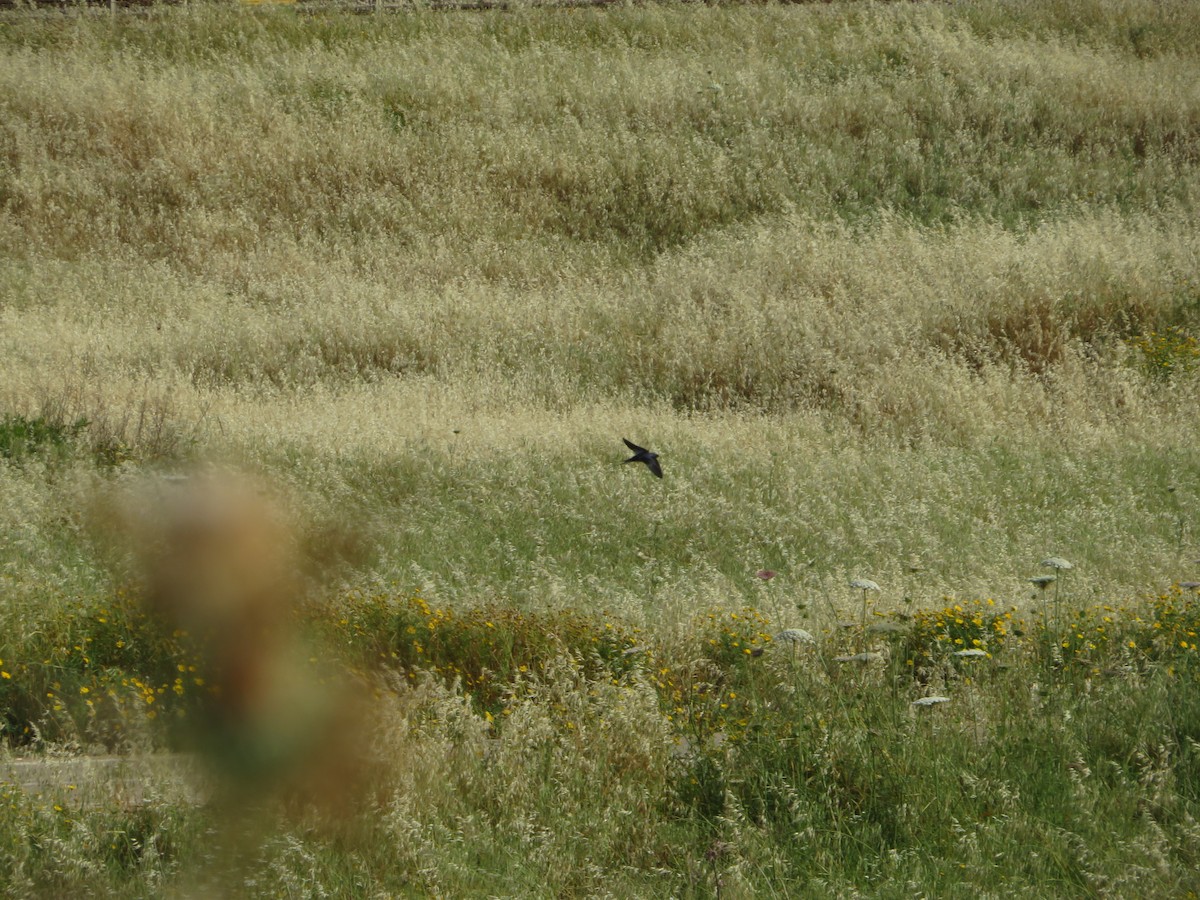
{"type": "Point", "coordinates": [21, 436]}
{"type": "Point", "coordinates": [733, 727]}
{"type": "Point", "coordinates": [1163, 355]}
{"type": "Point", "coordinates": [484, 651]}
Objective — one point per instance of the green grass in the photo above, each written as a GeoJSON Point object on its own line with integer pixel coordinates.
{"type": "Point", "coordinates": [1062, 762]}
{"type": "Point", "coordinates": [907, 292]}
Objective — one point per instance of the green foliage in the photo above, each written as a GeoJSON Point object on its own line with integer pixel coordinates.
{"type": "Point", "coordinates": [487, 650]}
{"type": "Point", "coordinates": [96, 676]}
{"type": "Point", "coordinates": [22, 437]}
{"type": "Point", "coordinates": [732, 753]}
{"type": "Point", "coordinates": [935, 635]}
{"type": "Point", "coordinates": [55, 847]}
{"type": "Point", "coordinates": [1167, 354]}
{"type": "Point", "coordinates": [59, 437]}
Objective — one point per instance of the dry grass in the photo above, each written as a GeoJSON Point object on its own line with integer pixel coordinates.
{"type": "Point", "coordinates": [905, 291]}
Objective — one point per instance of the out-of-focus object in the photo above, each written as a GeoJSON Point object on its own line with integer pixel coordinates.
{"type": "Point", "coordinates": [221, 577]}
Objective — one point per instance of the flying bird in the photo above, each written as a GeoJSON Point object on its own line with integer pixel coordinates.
{"type": "Point", "coordinates": [641, 454]}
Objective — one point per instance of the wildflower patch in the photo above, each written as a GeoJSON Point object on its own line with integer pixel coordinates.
{"type": "Point", "coordinates": [970, 628]}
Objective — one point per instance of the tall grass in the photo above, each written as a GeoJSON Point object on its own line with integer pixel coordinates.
{"type": "Point", "coordinates": [910, 290]}
{"type": "Point", "coordinates": [714, 761]}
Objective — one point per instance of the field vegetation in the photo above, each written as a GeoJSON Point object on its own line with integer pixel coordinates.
{"type": "Point", "coordinates": [899, 292]}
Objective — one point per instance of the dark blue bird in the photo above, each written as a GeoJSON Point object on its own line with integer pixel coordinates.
{"type": "Point", "coordinates": [642, 455]}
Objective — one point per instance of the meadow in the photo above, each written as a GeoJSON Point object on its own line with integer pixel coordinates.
{"type": "Point", "coordinates": [899, 292]}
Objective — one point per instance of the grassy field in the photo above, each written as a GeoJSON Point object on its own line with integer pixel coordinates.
{"type": "Point", "coordinates": [902, 292]}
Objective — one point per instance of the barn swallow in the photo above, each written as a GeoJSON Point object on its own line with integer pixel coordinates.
{"type": "Point", "coordinates": [641, 454]}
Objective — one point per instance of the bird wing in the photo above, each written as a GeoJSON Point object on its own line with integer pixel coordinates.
{"type": "Point", "coordinates": [652, 462]}
{"type": "Point", "coordinates": [632, 446]}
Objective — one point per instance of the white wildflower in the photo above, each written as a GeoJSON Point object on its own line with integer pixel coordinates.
{"type": "Point", "coordinates": [1056, 562]}
{"type": "Point", "coordinates": [930, 701]}
{"type": "Point", "coordinates": [795, 636]}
